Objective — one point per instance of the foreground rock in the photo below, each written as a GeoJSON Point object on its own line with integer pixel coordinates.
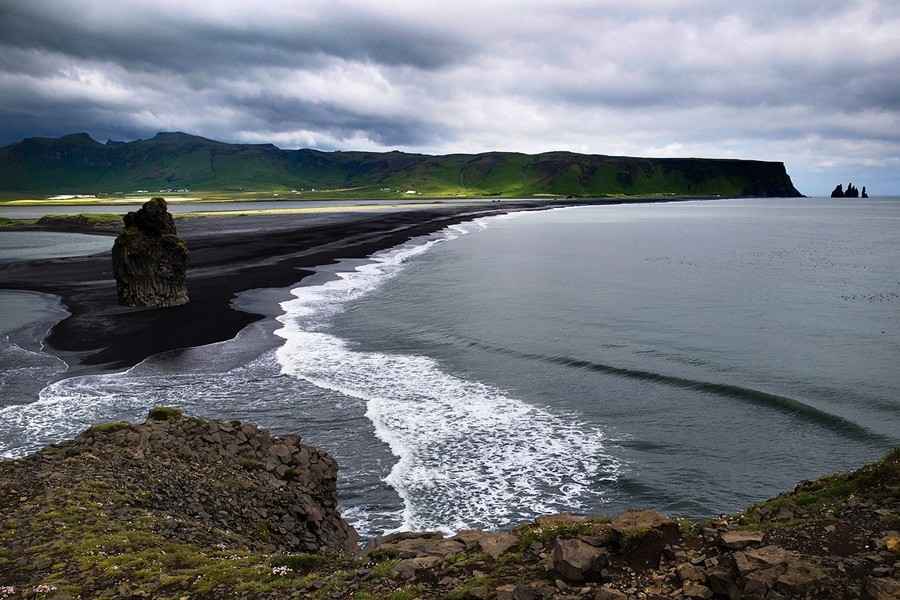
{"type": "Point", "coordinates": [168, 492]}
{"type": "Point", "coordinates": [149, 259]}
{"type": "Point", "coordinates": [184, 508]}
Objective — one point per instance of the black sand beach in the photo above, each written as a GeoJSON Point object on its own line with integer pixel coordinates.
{"type": "Point", "coordinates": [228, 255]}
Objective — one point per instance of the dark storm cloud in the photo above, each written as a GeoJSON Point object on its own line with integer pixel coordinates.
{"type": "Point", "coordinates": [148, 38]}
{"type": "Point", "coordinates": [811, 82]}
{"type": "Point", "coordinates": [291, 113]}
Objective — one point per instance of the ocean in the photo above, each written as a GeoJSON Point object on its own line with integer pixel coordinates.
{"type": "Point", "coordinates": [693, 357]}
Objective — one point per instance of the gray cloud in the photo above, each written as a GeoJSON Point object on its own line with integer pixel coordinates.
{"type": "Point", "coordinates": [812, 82]}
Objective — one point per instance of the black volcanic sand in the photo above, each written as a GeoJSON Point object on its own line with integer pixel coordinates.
{"type": "Point", "coordinates": [228, 255]}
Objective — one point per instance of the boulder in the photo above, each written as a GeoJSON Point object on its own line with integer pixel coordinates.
{"type": "Point", "coordinates": [738, 540]}
{"type": "Point", "coordinates": [799, 577]}
{"type": "Point", "coordinates": [492, 544]}
{"type": "Point", "coordinates": [642, 536]}
{"type": "Point", "coordinates": [412, 545]}
{"type": "Point", "coordinates": [774, 568]}
{"type": "Point", "coordinates": [577, 562]}
{"type": "Point", "coordinates": [149, 259]}
{"type": "Point", "coordinates": [761, 558]}
{"type": "Point", "coordinates": [495, 545]}
{"type": "Point", "coordinates": [610, 593]}
{"type": "Point", "coordinates": [692, 589]}
{"type": "Point", "coordinates": [420, 568]}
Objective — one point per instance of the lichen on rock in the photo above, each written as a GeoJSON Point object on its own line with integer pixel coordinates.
{"type": "Point", "coordinates": [149, 259]}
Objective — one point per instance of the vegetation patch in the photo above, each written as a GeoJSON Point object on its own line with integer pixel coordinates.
{"type": "Point", "coordinates": [301, 563]}
{"type": "Point", "coordinates": [531, 533]}
{"type": "Point", "coordinates": [110, 427]}
{"type": "Point", "coordinates": [165, 413]}
{"type": "Point", "coordinates": [472, 589]}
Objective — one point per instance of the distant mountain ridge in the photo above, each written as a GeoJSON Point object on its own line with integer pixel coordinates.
{"type": "Point", "coordinates": [77, 163]}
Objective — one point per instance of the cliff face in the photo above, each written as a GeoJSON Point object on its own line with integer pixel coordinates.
{"type": "Point", "coordinates": [77, 163]}
{"type": "Point", "coordinates": [180, 507]}
{"type": "Point", "coordinates": [149, 260]}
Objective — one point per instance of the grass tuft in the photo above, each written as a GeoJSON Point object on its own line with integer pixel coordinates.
{"type": "Point", "coordinates": [165, 413]}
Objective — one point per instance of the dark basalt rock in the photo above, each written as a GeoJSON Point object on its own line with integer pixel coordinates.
{"type": "Point", "coordinates": [270, 493]}
{"type": "Point", "coordinates": [149, 259]}
{"type": "Point", "coordinates": [851, 192]}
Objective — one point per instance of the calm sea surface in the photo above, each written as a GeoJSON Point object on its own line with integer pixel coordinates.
{"type": "Point", "coordinates": [693, 357]}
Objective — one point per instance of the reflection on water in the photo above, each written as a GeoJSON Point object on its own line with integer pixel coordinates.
{"type": "Point", "coordinates": [31, 245]}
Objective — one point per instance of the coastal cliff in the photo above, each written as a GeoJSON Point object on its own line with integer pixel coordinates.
{"type": "Point", "coordinates": [173, 160]}
{"type": "Point", "coordinates": [179, 507]}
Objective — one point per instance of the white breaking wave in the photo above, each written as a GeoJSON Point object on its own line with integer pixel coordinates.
{"type": "Point", "coordinates": [468, 453]}
{"type": "Point", "coordinates": [68, 406]}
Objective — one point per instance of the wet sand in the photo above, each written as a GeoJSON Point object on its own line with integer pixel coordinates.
{"type": "Point", "coordinates": [228, 255]}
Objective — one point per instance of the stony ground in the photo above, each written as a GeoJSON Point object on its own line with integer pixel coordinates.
{"type": "Point", "coordinates": [184, 508]}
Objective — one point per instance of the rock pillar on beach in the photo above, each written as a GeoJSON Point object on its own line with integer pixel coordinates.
{"type": "Point", "coordinates": [149, 259]}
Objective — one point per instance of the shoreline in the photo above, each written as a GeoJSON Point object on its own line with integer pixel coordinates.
{"type": "Point", "coordinates": [227, 257]}
{"type": "Point", "coordinates": [225, 508]}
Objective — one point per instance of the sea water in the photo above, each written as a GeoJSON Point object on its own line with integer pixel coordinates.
{"type": "Point", "coordinates": [692, 356]}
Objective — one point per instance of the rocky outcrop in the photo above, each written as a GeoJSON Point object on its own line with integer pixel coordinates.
{"type": "Point", "coordinates": [180, 507]}
{"type": "Point", "coordinates": [864, 194]}
{"type": "Point", "coordinates": [195, 478]}
{"type": "Point", "coordinates": [149, 259]}
{"type": "Point", "coordinates": [851, 192]}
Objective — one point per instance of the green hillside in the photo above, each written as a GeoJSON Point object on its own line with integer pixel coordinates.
{"type": "Point", "coordinates": [79, 164]}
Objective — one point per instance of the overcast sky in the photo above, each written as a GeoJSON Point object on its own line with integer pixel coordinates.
{"type": "Point", "coordinates": [813, 83]}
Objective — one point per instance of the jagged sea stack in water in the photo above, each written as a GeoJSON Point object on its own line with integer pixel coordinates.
{"type": "Point", "coordinates": [149, 259]}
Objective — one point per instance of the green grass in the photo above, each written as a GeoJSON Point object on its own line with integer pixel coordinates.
{"type": "Point", "coordinates": [531, 533]}
{"type": "Point", "coordinates": [878, 480]}
{"type": "Point", "coordinates": [471, 589]}
{"type": "Point", "coordinates": [33, 168]}
{"type": "Point", "coordinates": [4, 222]}
{"type": "Point", "coordinates": [302, 563]}
{"type": "Point", "coordinates": [165, 413]}
{"type": "Point", "coordinates": [110, 427]}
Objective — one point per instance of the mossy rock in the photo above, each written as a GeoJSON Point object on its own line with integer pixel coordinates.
{"type": "Point", "coordinates": [110, 427]}
{"type": "Point", "coordinates": [165, 413]}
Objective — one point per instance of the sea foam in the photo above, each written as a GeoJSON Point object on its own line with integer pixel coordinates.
{"type": "Point", "coordinates": [468, 454]}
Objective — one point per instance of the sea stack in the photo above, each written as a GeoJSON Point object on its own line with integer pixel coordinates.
{"type": "Point", "coordinates": [149, 259]}
{"type": "Point", "coordinates": [851, 192]}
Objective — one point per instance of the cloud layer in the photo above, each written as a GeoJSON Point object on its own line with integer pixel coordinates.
{"type": "Point", "coordinates": [813, 83]}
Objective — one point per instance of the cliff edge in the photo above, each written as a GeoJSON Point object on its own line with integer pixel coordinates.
{"type": "Point", "coordinates": [180, 507]}
{"type": "Point", "coordinates": [79, 164]}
